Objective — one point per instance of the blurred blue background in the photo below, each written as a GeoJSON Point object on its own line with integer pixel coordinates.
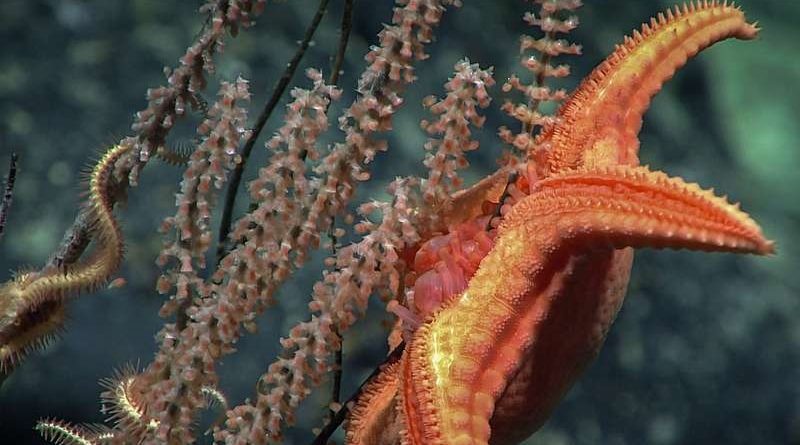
{"type": "Point", "coordinates": [705, 350]}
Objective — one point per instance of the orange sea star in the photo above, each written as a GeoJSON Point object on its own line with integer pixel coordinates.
{"type": "Point", "coordinates": [492, 363]}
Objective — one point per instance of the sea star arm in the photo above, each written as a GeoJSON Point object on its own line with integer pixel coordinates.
{"type": "Point", "coordinates": [373, 418]}
{"type": "Point", "coordinates": [599, 123]}
{"type": "Point", "coordinates": [459, 364]}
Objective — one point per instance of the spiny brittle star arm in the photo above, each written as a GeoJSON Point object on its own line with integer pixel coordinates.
{"type": "Point", "coordinates": [32, 304]}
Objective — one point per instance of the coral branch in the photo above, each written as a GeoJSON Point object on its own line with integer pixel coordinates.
{"type": "Point", "coordinates": [269, 107]}
{"type": "Point", "coordinates": [168, 103]}
{"type": "Point", "coordinates": [450, 136]}
{"type": "Point", "coordinates": [344, 37]}
{"type": "Point", "coordinates": [554, 18]}
{"type": "Point", "coordinates": [189, 236]}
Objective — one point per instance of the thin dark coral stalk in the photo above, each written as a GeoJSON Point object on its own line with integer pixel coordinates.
{"type": "Point", "coordinates": [344, 38]}
{"type": "Point", "coordinates": [333, 79]}
{"type": "Point", "coordinates": [266, 112]}
{"type": "Point", "coordinates": [8, 193]}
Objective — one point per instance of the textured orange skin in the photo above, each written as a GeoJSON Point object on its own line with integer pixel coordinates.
{"type": "Point", "coordinates": [493, 363]}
